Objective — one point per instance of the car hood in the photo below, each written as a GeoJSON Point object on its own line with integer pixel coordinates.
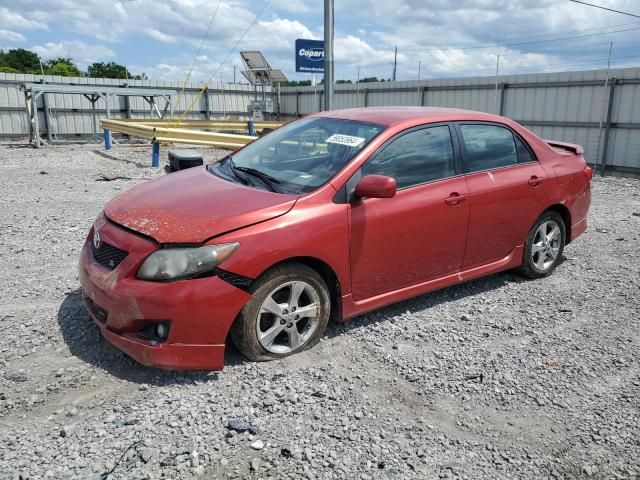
{"type": "Point", "coordinates": [194, 205]}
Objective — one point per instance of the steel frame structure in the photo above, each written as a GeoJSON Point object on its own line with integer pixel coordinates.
{"type": "Point", "coordinates": [93, 93]}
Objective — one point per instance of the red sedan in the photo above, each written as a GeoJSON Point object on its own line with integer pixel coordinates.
{"type": "Point", "coordinates": [332, 215]}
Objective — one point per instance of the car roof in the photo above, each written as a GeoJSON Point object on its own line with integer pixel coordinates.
{"type": "Point", "coordinates": [391, 116]}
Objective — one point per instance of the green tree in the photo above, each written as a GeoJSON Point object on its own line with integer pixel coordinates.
{"type": "Point", "coordinates": [340, 82]}
{"type": "Point", "coordinates": [370, 80]}
{"type": "Point", "coordinates": [62, 66]}
{"type": "Point", "coordinates": [295, 83]}
{"type": "Point", "coordinates": [19, 60]}
{"type": "Point", "coordinates": [109, 70]}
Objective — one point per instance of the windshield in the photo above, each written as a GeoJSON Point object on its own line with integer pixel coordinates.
{"type": "Point", "coordinates": [298, 157]}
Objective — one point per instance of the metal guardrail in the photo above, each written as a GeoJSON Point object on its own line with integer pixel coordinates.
{"type": "Point", "coordinates": [225, 125]}
{"type": "Point", "coordinates": [158, 134]}
{"type": "Point", "coordinates": [151, 130]}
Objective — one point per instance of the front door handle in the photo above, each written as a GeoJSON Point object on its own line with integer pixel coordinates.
{"type": "Point", "coordinates": [534, 181]}
{"type": "Point", "coordinates": [455, 199]}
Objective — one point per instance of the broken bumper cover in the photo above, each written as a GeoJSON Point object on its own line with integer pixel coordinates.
{"type": "Point", "coordinates": [199, 312]}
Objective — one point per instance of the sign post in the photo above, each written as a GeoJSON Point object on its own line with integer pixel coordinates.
{"type": "Point", "coordinates": [328, 43]}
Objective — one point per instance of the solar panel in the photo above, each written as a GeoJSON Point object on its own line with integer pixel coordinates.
{"type": "Point", "coordinates": [258, 69]}
{"type": "Point", "coordinates": [248, 74]}
{"type": "Point", "coordinates": [277, 76]}
{"type": "Point", "coordinates": [255, 60]}
{"type": "Point", "coordinates": [264, 76]}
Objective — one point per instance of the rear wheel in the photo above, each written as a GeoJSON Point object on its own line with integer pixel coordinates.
{"type": "Point", "coordinates": [544, 246]}
{"type": "Point", "coordinates": [288, 313]}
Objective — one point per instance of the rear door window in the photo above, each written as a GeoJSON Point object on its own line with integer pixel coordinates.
{"type": "Point", "coordinates": [488, 147]}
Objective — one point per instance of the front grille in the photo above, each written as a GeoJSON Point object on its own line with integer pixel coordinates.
{"type": "Point", "coordinates": [108, 256]}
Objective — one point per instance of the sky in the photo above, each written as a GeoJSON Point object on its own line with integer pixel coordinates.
{"type": "Point", "coordinates": [435, 38]}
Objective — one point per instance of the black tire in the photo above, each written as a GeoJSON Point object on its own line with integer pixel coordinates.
{"type": "Point", "coordinates": [276, 281]}
{"type": "Point", "coordinates": [530, 268]}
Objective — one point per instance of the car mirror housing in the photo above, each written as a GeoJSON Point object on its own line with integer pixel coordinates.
{"type": "Point", "coordinates": [375, 186]}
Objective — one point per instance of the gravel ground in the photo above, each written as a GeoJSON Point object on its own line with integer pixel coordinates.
{"type": "Point", "coordinates": [497, 378]}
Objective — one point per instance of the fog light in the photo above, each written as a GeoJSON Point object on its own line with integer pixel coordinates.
{"type": "Point", "coordinates": [161, 331]}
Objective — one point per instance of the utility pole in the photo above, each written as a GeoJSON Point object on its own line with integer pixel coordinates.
{"type": "Point", "coordinates": [419, 86]}
{"type": "Point", "coordinates": [604, 105]}
{"type": "Point", "coordinates": [395, 63]}
{"type": "Point", "coordinates": [497, 70]}
{"type": "Point", "coordinates": [224, 105]}
{"type": "Point", "coordinates": [234, 74]}
{"type": "Point", "coordinates": [328, 54]}
{"type": "Point", "coordinates": [358, 87]}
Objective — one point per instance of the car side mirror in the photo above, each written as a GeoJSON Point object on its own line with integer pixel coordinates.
{"type": "Point", "coordinates": [376, 186]}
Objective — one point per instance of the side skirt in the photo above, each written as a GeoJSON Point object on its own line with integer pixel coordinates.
{"type": "Point", "coordinates": [352, 308]}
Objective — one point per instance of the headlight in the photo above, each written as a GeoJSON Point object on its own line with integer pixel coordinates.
{"type": "Point", "coordinates": [176, 263]}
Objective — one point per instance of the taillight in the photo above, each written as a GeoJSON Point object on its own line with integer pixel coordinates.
{"type": "Point", "coordinates": [588, 172]}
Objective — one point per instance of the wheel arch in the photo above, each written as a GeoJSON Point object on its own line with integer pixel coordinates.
{"type": "Point", "coordinates": [327, 273]}
{"type": "Point", "coordinates": [564, 212]}
{"type": "Point", "coordinates": [330, 278]}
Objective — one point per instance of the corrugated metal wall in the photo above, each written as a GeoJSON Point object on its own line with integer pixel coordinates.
{"type": "Point", "coordinates": [71, 113]}
{"type": "Point", "coordinates": [566, 106]}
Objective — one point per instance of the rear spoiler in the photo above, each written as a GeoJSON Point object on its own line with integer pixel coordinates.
{"type": "Point", "coordinates": [570, 147]}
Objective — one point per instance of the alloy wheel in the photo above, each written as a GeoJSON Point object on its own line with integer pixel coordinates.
{"type": "Point", "coordinates": [546, 245]}
{"type": "Point", "coordinates": [288, 317]}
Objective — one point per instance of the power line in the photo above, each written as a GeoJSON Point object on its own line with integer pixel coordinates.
{"type": "Point", "coordinates": [518, 43]}
{"type": "Point", "coordinates": [491, 45]}
{"type": "Point", "coordinates": [266, 5]}
{"type": "Point", "coordinates": [193, 64]}
{"type": "Point", "coordinates": [605, 8]}
{"type": "Point", "coordinates": [476, 69]}
{"type": "Point", "coordinates": [538, 68]}
{"type": "Point", "coordinates": [470, 61]}
{"type": "Point", "coordinates": [522, 43]}
{"type": "Point", "coordinates": [204, 89]}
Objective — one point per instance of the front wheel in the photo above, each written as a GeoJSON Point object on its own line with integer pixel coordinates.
{"type": "Point", "coordinates": [288, 313]}
{"type": "Point", "coordinates": [544, 246]}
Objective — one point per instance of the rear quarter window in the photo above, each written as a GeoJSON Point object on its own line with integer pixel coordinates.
{"type": "Point", "coordinates": [524, 154]}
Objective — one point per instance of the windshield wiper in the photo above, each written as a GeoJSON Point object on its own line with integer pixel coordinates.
{"type": "Point", "coordinates": [267, 179]}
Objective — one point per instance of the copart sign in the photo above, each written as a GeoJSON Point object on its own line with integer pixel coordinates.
{"type": "Point", "coordinates": [309, 56]}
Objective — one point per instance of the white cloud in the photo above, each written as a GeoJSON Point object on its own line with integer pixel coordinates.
{"type": "Point", "coordinates": [16, 21]}
{"type": "Point", "coordinates": [80, 52]}
{"type": "Point", "coordinates": [11, 36]}
{"type": "Point", "coordinates": [280, 33]}
{"type": "Point", "coordinates": [203, 70]}
{"type": "Point", "coordinates": [355, 51]}
{"type": "Point", "coordinates": [158, 35]}
{"type": "Point", "coordinates": [299, 6]}
{"type": "Point", "coordinates": [367, 31]}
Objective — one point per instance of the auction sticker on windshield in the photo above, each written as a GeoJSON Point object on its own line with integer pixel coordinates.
{"type": "Point", "coordinates": [346, 140]}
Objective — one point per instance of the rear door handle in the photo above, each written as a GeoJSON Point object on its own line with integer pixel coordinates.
{"type": "Point", "coordinates": [534, 181]}
{"type": "Point", "coordinates": [455, 199]}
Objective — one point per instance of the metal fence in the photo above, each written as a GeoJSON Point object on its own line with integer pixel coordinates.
{"type": "Point", "coordinates": [601, 114]}
{"type": "Point", "coordinates": [72, 114]}
{"type": "Point", "coordinates": [575, 107]}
